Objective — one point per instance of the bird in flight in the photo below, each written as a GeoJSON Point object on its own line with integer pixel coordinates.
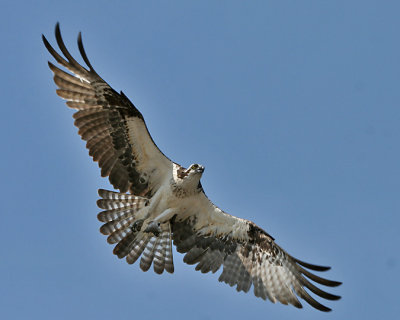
{"type": "Point", "coordinates": [161, 203]}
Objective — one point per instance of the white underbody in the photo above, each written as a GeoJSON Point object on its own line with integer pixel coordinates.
{"type": "Point", "coordinates": [209, 219]}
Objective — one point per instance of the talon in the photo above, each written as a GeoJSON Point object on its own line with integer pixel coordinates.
{"type": "Point", "coordinates": [137, 225]}
{"type": "Point", "coordinates": [153, 227]}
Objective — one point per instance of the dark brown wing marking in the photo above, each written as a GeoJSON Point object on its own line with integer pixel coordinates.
{"type": "Point", "coordinates": [114, 129]}
{"type": "Point", "coordinates": [259, 261]}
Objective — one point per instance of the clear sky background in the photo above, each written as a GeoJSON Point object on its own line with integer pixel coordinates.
{"type": "Point", "coordinates": [292, 106]}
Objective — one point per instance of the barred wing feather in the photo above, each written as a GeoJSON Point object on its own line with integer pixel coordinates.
{"type": "Point", "coordinates": [115, 131]}
{"type": "Point", "coordinates": [249, 256]}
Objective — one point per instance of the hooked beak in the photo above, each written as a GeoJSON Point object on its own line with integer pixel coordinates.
{"type": "Point", "coordinates": [200, 169]}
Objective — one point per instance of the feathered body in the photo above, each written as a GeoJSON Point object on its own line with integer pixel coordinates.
{"type": "Point", "coordinates": [166, 202]}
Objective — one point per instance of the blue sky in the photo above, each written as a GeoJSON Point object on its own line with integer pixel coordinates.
{"type": "Point", "coordinates": [292, 106]}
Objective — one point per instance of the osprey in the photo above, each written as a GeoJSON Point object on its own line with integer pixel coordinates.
{"type": "Point", "coordinates": [166, 202]}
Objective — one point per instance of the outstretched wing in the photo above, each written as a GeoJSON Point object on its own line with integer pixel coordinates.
{"type": "Point", "coordinates": [211, 238]}
{"type": "Point", "coordinates": [115, 131]}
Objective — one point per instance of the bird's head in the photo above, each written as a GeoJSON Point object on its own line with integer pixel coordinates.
{"type": "Point", "coordinates": [193, 173]}
{"type": "Point", "coordinates": [195, 170]}
{"type": "Point", "coordinates": [190, 178]}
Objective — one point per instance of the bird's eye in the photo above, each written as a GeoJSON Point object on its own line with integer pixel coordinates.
{"type": "Point", "coordinates": [195, 166]}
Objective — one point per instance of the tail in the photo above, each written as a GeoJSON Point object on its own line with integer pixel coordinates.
{"type": "Point", "coordinates": [121, 227]}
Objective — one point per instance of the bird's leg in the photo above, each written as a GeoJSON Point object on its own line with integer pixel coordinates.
{"type": "Point", "coordinates": [165, 215]}
{"type": "Point", "coordinates": [146, 212]}
{"type": "Point", "coordinates": [137, 225]}
{"type": "Point", "coordinates": [155, 225]}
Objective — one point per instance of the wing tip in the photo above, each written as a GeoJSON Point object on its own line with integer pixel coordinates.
{"type": "Point", "coordinates": [335, 297]}
{"type": "Point", "coordinates": [333, 283]}
{"type": "Point", "coordinates": [324, 308]}
{"type": "Point", "coordinates": [312, 266]}
{"type": "Point", "coordinates": [46, 43]}
{"type": "Point", "coordinates": [83, 52]}
{"type": "Point", "coordinates": [57, 29]}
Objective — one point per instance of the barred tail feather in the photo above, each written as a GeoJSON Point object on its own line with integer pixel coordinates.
{"type": "Point", "coordinates": [148, 253]}
{"type": "Point", "coordinates": [137, 249]}
{"type": "Point", "coordinates": [160, 253]}
{"type": "Point", "coordinates": [169, 262]}
{"type": "Point", "coordinates": [106, 194]}
{"type": "Point", "coordinates": [163, 252]}
{"type": "Point", "coordinates": [119, 218]}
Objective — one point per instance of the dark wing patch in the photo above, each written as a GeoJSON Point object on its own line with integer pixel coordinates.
{"type": "Point", "coordinates": [257, 262]}
{"type": "Point", "coordinates": [114, 129]}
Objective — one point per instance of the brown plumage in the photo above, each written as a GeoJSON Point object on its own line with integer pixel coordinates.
{"type": "Point", "coordinates": [166, 201]}
{"type": "Point", "coordinates": [102, 121]}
